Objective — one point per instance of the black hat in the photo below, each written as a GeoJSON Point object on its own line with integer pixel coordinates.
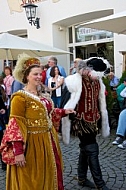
{"type": "Point", "coordinates": [97, 64]}
{"type": "Point", "coordinates": [124, 79]}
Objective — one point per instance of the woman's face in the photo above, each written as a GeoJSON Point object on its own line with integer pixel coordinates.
{"type": "Point", "coordinates": [7, 72]}
{"type": "Point", "coordinates": [35, 76]}
{"type": "Point", "coordinates": [56, 71]}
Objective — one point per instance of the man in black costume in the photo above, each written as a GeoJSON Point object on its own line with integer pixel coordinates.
{"type": "Point", "coordinates": [86, 94]}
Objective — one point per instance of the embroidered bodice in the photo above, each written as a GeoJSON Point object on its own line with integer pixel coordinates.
{"type": "Point", "coordinates": [34, 111]}
{"type": "Point", "coordinates": [47, 104]}
{"type": "Point", "coordinates": [88, 104]}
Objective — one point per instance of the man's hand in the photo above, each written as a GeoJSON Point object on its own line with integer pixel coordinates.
{"type": "Point", "coordinates": [93, 75]}
{"type": "Point", "coordinates": [68, 111]}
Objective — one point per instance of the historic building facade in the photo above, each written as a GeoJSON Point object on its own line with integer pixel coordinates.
{"type": "Point", "coordinates": [61, 26]}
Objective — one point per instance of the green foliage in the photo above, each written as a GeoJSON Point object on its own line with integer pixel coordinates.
{"type": "Point", "coordinates": [3, 75]}
{"type": "Point", "coordinates": [122, 77]}
{"type": "Point", "coordinates": [109, 97]}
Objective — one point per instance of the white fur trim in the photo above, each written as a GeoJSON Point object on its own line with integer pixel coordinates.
{"type": "Point", "coordinates": [105, 130]}
{"type": "Point", "coordinates": [74, 85]}
{"type": "Point", "coordinates": [66, 124]}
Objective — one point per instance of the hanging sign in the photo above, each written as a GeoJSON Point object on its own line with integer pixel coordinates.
{"type": "Point", "coordinates": [16, 5]}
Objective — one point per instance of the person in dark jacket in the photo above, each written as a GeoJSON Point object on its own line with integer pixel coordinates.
{"type": "Point", "coordinates": [2, 123]}
{"type": "Point", "coordinates": [16, 85]}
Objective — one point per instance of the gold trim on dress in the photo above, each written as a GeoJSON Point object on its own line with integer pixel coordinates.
{"type": "Point", "coordinates": [54, 164]}
{"type": "Point", "coordinates": [38, 132]}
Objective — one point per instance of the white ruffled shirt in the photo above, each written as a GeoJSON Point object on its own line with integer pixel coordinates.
{"type": "Point", "coordinates": [58, 90]}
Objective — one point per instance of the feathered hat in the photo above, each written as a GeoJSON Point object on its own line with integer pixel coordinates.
{"type": "Point", "coordinates": [23, 62]}
{"type": "Point", "coordinates": [98, 65]}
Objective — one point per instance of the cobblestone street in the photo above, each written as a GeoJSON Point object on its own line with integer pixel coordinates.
{"type": "Point", "coordinates": [112, 160]}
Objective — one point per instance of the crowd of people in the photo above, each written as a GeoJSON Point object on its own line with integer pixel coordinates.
{"type": "Point", "coordinates": [30, 145]}
{"type": "Point", "coordinates": [119, 94]}
{"type": "Point", "coordinates": [50, 100]}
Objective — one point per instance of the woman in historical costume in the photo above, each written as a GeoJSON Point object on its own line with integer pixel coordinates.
{"type": "Point", "coordinates": [30, 145]}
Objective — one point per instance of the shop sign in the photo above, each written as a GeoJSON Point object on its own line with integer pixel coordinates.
{"type": "Point", "coordinates": [23, 2]}
{"type": "Point", "coordinates": [16, 5]}
{"type": "Point", "coordinates": [89, 34]}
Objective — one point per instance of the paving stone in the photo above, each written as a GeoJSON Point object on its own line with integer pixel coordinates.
{"type": "Point", "coordinates": [112, 161]}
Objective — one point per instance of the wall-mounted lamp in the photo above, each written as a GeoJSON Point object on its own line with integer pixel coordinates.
{"type": "Point", "coordinates": [30, 10]}
{"type": "Point", "coordinates": [60, 28]}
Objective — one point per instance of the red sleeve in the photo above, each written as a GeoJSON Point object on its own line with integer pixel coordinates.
{"type": "Point", "coordinates": [12, 134]}
{"type": "Point", "coordinates": [18, 148]}
{"type": "Point", "coordinates": [56, 117]}
{"type": "Point", "coordinates": [43, 76]}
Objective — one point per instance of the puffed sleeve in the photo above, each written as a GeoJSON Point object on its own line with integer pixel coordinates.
{"type": "Point", "coordinates": [17, 111]}
{"type": "Point", "coordinates": [16, 130]}
{"type": "Point", "coordinates": [12, 134]}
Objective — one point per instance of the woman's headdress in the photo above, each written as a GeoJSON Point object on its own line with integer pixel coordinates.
{"type": "Point", "coordinates": [23, 63]}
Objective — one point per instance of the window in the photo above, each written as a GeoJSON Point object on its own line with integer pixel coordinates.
{"type": "Point", "coordinates": [87, 34]}
{"type": "Point", "coordinates": [70, 35]}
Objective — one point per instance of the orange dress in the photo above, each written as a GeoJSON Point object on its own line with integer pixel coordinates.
{"type": "Point", "coordinates": [31, 122]}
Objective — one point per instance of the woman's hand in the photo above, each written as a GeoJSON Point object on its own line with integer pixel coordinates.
{"type": "Point", "coordinates": [20, 160]}
{"type": "Point", "coordinates": [54, 88]}
{"type": "Point", "coordinates": [68, 111]}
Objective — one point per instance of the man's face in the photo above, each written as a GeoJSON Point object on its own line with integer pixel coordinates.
{"type": "Point", "coordinates": [84, 72]}
{"type": "Point", "coordinates": [75, 64]}
{"type": "Point", "coordinates": [111, 77]}
{"type": "Point", "coordinates": [89, 73]}
{"type": "Point", "coordinates": [51, 63]}
{"type": "Point", "coordinates": [125, 83]}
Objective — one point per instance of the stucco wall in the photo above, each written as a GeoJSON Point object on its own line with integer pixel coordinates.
{"type": "Point", "coordinates": [51, 13]}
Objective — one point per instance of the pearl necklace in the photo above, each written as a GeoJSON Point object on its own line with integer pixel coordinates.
{"type": "Point", "coordinates": [30, 91]}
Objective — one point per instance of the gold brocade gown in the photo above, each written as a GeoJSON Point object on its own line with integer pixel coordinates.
{"type": "Point", "coordinates": [40, 171]}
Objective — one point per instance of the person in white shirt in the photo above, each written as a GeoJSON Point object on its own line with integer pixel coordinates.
{"type": "Point", "coordinates": [55, 85]}
{"type": "Point", "coordinates": [73, 69]}
{"type": "Point", "coordinates": [52, 61]}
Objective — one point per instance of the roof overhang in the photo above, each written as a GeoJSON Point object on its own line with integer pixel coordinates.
{"type": "Point", "coordinates": [123, 52]}
{"type": "Point", "coordinates": [72, 20]}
